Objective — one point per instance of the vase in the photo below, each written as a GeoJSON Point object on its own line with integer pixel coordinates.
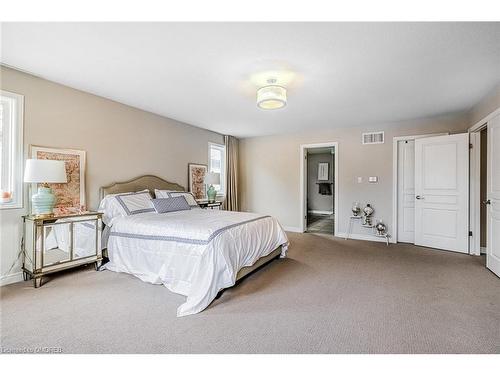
{"type": "Point", "coordinates": [211, 194]}
{"type": "Point", "coordinates": [43, 201]}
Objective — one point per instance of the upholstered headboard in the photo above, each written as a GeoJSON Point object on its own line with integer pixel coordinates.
{"type": "Point", "coordinates": [149, 182]}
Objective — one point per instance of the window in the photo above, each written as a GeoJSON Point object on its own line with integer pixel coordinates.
{"type": "Point", "coordinates": [11, 150]}
{"type": "Point", "coordinates": [216, 164]}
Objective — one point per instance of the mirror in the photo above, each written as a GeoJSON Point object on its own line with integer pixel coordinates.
{"type": "Point", "coordinates": [84, 239]}
{"type": "Point", "coordinates": [56, 243]}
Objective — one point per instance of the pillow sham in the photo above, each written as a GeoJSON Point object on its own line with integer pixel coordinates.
{"type": "Point", "coordinates": [162, 193]}
{"type": "Point", "coordinates": [188, 196]}
{"type": "Point", "coordinates": [111, 207]}
{"type": "Point", "coordinates": [164, 205]}
{"type": "Point", "coordinates": [135, 203]}
{"type": "Point", "coordinates": [172, 193]}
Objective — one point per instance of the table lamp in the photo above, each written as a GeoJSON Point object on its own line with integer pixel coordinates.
{"type": "Point", "coordinates": [212, 179]}
{"type": "Point", "coordinates": [43, 172]}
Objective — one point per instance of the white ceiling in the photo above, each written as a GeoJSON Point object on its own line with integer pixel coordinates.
{"type": "Point", "coordinates": [206, 74]}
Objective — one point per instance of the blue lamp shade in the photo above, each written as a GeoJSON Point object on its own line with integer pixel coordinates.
{"type": "Point", "coordinates": [42, 171]}
{"type": "Point", "coordinates": [212, 179]}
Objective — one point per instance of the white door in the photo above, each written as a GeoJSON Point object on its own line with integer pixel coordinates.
{"type": "Point", "coordinates": [493, 211]}
{"type": "Point", "coordinates": [406, 191]}
{"type": "Point", "coordinates": [442, 192]}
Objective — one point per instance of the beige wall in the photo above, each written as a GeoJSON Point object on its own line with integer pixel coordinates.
{"type": "Point", "coordinates": [121, 142]}
{"type": "Point", "coordinates": [271, 184]}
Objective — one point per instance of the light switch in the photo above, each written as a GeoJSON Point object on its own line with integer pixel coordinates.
{"type": "Point", "coordinates": [373, 179]}
{"type": "Point", "coordinates": [360, 180]}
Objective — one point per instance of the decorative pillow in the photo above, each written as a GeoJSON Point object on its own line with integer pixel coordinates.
{"type": "Point", "coordinates": [172, 193]}
{"type": "Point", "coordinates": [188, 196]}
{"type": "Point", "coordinates": [135, 203]}
{"type": "Point", "coordinates": [163, 205]}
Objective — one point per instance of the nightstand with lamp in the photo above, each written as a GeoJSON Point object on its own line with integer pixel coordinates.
{"type": "Point", "coordinates": [52, 242]}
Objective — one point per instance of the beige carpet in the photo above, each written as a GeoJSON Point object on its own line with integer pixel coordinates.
{"type": "Point", "coordinates": [329, 296]}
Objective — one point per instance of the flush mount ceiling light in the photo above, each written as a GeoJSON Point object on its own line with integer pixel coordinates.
{"type": "Point", "coordinates": [271, 96]}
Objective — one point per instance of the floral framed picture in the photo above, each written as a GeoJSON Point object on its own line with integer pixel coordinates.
{"type": "Point", "coordinates": [71, 195]}
{"type": "Point", "coordinates": [196, 180]}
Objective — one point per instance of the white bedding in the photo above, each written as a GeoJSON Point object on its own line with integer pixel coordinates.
{"type": "Point", "coordinates": [195, 253]}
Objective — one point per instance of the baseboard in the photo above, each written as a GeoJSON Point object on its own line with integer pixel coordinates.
{"type": "Point", "coordinates": [293, 229]}
{"type": "Point", "coordinates": [11, 279]}
{"type": "Point", "coordinates": [320, 212]}
{"type": "Point", "coordinates": [483, 250]}
{"type": "Point", "coordinates": [363, 237]}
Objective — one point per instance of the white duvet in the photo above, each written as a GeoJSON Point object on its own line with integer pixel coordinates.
{"type": "Point", "coordinates": [195, 253]}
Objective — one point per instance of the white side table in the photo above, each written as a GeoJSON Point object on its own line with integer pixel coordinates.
{"type": "Point", "coordinates": [349, 226]}
{"type": "Point", "coordinates": [352, 219]}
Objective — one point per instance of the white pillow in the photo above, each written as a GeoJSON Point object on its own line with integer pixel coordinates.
{"type": "Point", "coordinates": [162, 193]}
{"type": "Point", "coordinates": [124, 204]}
{"type": "Point", "coordinates": [173, 193]}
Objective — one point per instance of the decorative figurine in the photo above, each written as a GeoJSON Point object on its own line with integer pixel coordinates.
{"type": "Point", "coordinates": [381, 228]}
{"type": "Point", "coordinates": [368, 212]}
{"type": "Point", "coordinates": [356, 209]}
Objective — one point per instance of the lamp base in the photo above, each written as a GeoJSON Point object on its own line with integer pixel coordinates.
{"type": "Point", "coordinates": [211, 194]}
{"type": "Point", "coordinates": [43, 202]}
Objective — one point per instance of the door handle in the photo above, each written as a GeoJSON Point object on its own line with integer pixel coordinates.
{"type": "Point", "coordinates": [488, 201]}
{"type": "Point", "coordinates": [419, 197]}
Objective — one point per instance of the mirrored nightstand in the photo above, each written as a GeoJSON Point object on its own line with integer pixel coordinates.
{"type": "Point", "coordinates": [52, 244]}
{"type": "Point", "coordinates": [214, 206]}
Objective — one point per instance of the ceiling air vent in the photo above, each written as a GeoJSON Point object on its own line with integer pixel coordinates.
{"type": "Point", "coordinates": [372, 138]}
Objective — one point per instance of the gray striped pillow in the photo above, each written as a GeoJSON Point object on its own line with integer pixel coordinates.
{"type": "Point", "coordinates": [164, 205]}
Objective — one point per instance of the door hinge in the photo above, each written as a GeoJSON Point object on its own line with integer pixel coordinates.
{"type": "Point", "coordinates": [470, 145]}
{"type": "Point", "coordinates": [470, 233]}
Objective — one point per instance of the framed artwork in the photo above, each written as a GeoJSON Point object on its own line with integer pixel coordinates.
{"type": "Point", "coordinates": [323, 171]}
{"type": "Point", "coordinates": [71, 195]}
{"type": "Point", "coordinates": [196, 174]}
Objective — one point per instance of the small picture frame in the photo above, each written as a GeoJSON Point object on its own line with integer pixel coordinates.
{"type": "Point", "coordinates": [323, 171]}
{"type": "Point", "coordinates": [196, 180]}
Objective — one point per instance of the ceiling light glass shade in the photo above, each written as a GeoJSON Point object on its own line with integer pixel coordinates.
{"type": "Point", "coordinates": [271, 97]}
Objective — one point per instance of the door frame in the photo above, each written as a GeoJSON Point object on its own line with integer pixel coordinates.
{"type": "Point", "coordinates": [475, 182]}
{"type": "Point", "coordinates": [395, 164]}
{"type": "Point", "coordinates": [303, 184]}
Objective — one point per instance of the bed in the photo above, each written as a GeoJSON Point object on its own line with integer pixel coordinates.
{"type": "Point", "coordinates": [197, 253]}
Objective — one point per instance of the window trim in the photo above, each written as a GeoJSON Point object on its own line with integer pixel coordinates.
{"type": "Point", "coordinates": [221, 193]}
{"type": "Point", "coordinates": [18, 154]}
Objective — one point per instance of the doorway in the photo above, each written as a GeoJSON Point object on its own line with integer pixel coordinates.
{"type": "Point", "coordinates": [478, 190]}
{"type": "Point", "coordinates": [320, 202]}
{"type": "Point", "coordinates": [485, 190]}
{"type": "Point", "coordinates": [319, 171]}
